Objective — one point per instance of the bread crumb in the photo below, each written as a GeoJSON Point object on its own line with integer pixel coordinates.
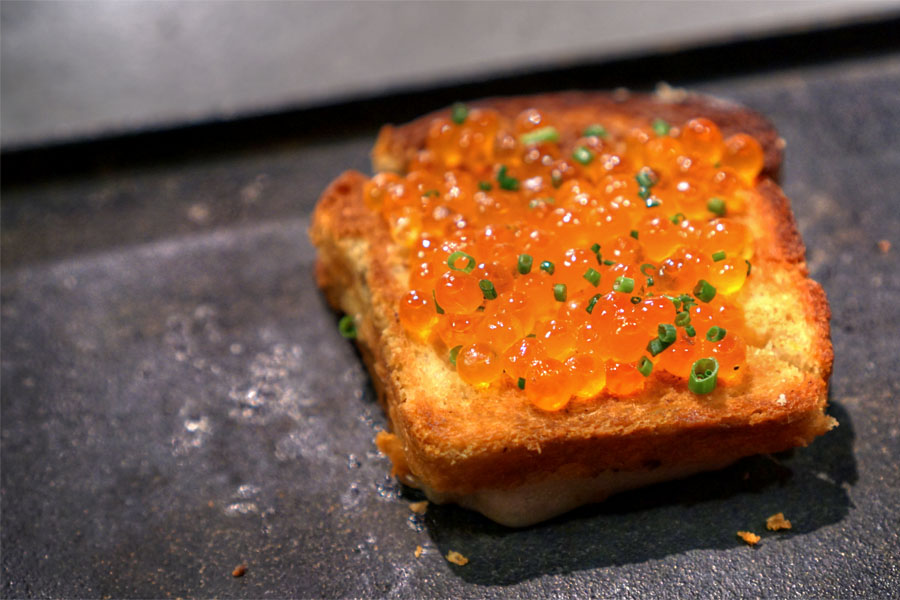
{"type": "Point", "coordinates": [418, 551]}
{"type": "Point", "coordinates": [777, 522]}
{"type": "Point", "coordinates": [782, 400]}
{"type": "Point", "coordinates": [884, 246]}
{"type": "Point", "coordinates": [456, 558]}
{"type": "Point", "coordinates": [749, 537]}
{"type": "Point", "coordinates": [667, 93]}
{"type": "Point", "coordinates": [418, 507]}
{"type": "Point", "coordinates": [239, 571]}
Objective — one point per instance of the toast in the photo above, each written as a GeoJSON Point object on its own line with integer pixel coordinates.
{"type": "Point", "coordinates": [497, 443]}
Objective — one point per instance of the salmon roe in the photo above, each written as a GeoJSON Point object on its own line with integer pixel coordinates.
{"type": "Point", "coordinates": [567, 263]}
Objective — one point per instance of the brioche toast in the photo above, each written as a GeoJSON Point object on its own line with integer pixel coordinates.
{"type": "Point", "coordinates": [525, 413]}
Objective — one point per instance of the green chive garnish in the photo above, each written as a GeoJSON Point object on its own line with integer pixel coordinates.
{"type": "Point", "coordinates": [704, 291]}
{"type": "Point", "coordinates": [437, 307]}
{"type": "Point", "coordinates": [583, 155]}
{"type": "Point", "coordinates": [487, 289]}
{"type": "Point", "coordinates": [655, 346]}
{"type": "Point", "coordinates": [592, 276]}
{"type": "Point", "coordinates": [595, 130]}
{"type": "Point", "coordinates": [749, 266]}
{"type": "Point", "coordinates": [683, 319]}
{"type": "Point", "coordinates": [470, 261]}
{"type": "Point", "coordinates": [645, 267]}
{"type": "Point", "coordinates": [623, 284]}
{"type": "Point", "coordinates": [608, 262]}
{"type": "Point", "coordinates": [347, 327]}
{"type": "Point", "coordinates": [485, 186]}
{"type": "Point", "coordinates": [506, 182]}
{"type": "Point", "coordinates": [556, 179]}
{"type": "Point", "coordinates": [521, 383]}
{"type": "Point", "coordinates": [525, 262]}
{"type": "Point", "coordinates": [431, 193]}
{"type": "Point", "coordinates": [559, 292]}
{"type": "Point", "coordinates": [644, 178]}
{"type": "Point", "coordinates": [595, 247]}
{"type": "Point", "coordinates": [690, 331]}
{"type": "Point", "coordinates": [458, 113]}
{"type": "Point", "coordinates": [716, 206]}
{"type": "Point", "coordinates": [703, 376]}
{"type": "Point", "coordinates": [633, 233]}
{"type": "Point", "coordinates": [644, 193]}
{"type": "Point", "coordinates": [716, 334]}
{"type": "Point", "coordinates": [666, 333]}
{"type": "Point", "coordinates": [548, 267]}
{"type": "Point", "coordinates": [645, 366]}
{"type": "Point", "coordinates": [537, 136]}
{"type": "Point", "coordinates": [677, 218]}
{"type": "Point", "coordinates": [593, 302]}
{"type": "Point", "coordinates": [635, 299]}
{"type": "Point", "coordinates": [652, 203]}
{"type": "Point", "coordinates": [717, 256]}
{"type": "Point", "coordinates": [660, 127]}
{"type": "Point", "coordinates": [453, 354]}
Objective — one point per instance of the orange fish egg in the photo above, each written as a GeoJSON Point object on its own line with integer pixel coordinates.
{"type": "Point", "coordinates": [478, 364]}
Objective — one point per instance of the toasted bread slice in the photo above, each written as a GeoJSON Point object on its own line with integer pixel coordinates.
{"type": "Point", "coordinates": [490, 449]}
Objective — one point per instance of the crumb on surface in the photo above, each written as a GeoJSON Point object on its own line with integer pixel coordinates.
{"type": "Point", "coordinates": [749, 537]}
{"type": "Point", "coordinates": [884, 246]}
{"type": "Point", "coordinates": [239, 571]}
{"type": "Point", "coordinates": [419, 507]}
{"type": "Point", "coordinates": [418, 551]}
{"type": "Point", "coordinates": [456, 558]}
{"type": "Point", "coordinates": [777, 522]}
{"type": "Point", "coordinates": [782, 400]}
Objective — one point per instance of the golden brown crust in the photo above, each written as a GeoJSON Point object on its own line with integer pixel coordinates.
{"type": "Point", "coordinates": [455, 438]}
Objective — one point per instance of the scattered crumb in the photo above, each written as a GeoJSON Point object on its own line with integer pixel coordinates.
{"type": "Point", "coordinates": [884, 246]}
{"type": "Point", "coordinates": [777, 522]}
{"type": "Point", "coordinates": [418, 507]}
{"type": "Point", "coordinates": [749, 537]}
{"type": "Point", "coordinates": [456, 558]}
{"type": "Point", "coordinates": [781, 143]}
{"type": "Point", "coordinates": [782, 400]}
{"type": "Point", "coordinates": [667, 93]}
{"type": "Point", "coordinates": [239, 571]}
{"type": "Point", "coordinates": [418, 551]}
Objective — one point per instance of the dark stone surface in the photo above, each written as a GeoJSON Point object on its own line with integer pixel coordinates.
{"type": "Point", "coordinates": [176, 399]}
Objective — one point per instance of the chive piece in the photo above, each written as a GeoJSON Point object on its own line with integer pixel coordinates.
{"type": "Point", "coordinates": [717, 256]}
{"type": "Point", "coordinates": [623, 284]}
{"type": "Point", "coordinates": [583, 155]}
{"type": "Point", "coordinates": [635, 299]}
{"type": "Point", "coordinates": [666, 333]}
{"type": "Point", "coordinates": [633, 233]}
{"type": "Point", "coordinates": [470, 261]}
{"type": "Point", "coordinates": [537, 136]}
{"type": "Point", "coordinates": [704, 291]}
{"type": "Point", "coordinates": [595, 130]}
{"type": "Point", "coordinates": [593, 302]}
{"type": "Point", "coordinates": [660, 127]}
{"type": "Point", "coordinates": [347, 327]}
{"type": "Point", "coordinates": [645, 367]}
{"type": "Point", "coordinates": [655, 346]}
{"type": "Point", "coordinates": [556, 179]}
{"type": "Point", "coordinates": [652, 203]}
{"type": "Point", "coordinates": [677, 218]}
{"type": "Point", "coordinates": [431, 194]}
{"type": "Point", "coordinates": [525, 262]}
{"type": "Point", "coordinates": [559, 292]}
{"type": "Point", "coordinates": [749, 266]}
{"type": "Point", "coordinates": [454, 352]}
{"type": "Point", "coordinates": [704, 373]}
{"type": "Point", "coordinates": [595, 247]}
{"type": "Point", "coordinates": [650, 282]}
{"type": "Point", "coordinates": [592, 276]}
{"type": "Point", "coordinates": [646, 266]}
{"type": "Point", "coordinates": [505, 181]}
{"type": "Point", "coordinates": [690, 331]}
{"type": "Point", "coordinates": [485, 186]}
{"type": "Point", "coordinates": [675, 301]}
{"type": "Point", "coordinates": [608, 262]}
{"type": "Point", "coordinates": [487, 289]}
{"type": "Point", "coordinates": [716, 334]}
{"type": "Point", "coordinates": [683, 319]}
{"type": "Point", "coordinates": [437, 307]}
{"type": "Point", "coordinates": [531, 335]}
{"type": "Point", "coordinates": [716, 206]}
{"type": "Point", "coordinates": [687, 301]}
{"type": "Point", "coordinates": [521, 383]}
{"type": "Point", "coordinates": [548, 267]}
{"type": "Point", "coordinates": [644, 193]}
{"type": "Point", "coordinates": [458, 113]}
{"type": "Point", "coordinates": [644, 178]}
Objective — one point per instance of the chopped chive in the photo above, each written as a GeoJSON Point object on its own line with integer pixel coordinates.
{"type": "Point", "coordinates": [690, 331]}
{"type": "Point", "coordinates": [347, 327]}
{"type": "Point", "coordinates": [505, 181]}
{"type": "Point", "coordinates": [593, 302]}
{"type": "Point", "coordinates": [583, 155]}
{"type": "Point", "coordinates": [716, 206]}
{"type": "Point", "coordinates": [633, 233]}
{"type": "Point", "coordinates": [592, 276]}
{"type": "Point", "coordinates": [677, 218]}
{"type": "Point", "coordinates": [683, 319]}
{"type": "Point", "coordinates": [595, 130]}
{"type": "Point", "coordinates": [660, 127]}
{"type": "Point", "coordinates": [458, 113]}
{"type": "Point", "coordinates": [431, 194]}
{"type": "Point", "coordinates": [645, 367]}
{"type": "Point", "coordinates": [716, 334]}
{"type": "Point", "coordinates": [703, 376]}
{"type": "Point", "coordinates": [644, 193]}
{"type": "Point", "coordinates": [749, 266]}
{"type": "Point", "coordinates": [525, 262]}
{"type": "Point", "coordinates": [717, 256]}
{"type": "Point", "coordinates": [437, 307]}
{"type": "Point", "coordinates": [608, 262]}
{"type": "Point", "coordinates": [646, 266]}
{"type": "Point", "coordinates": [487, 289]}
{"type": "Point", "coordinates": [687, 301]}
{"type": "Point", "coordinates": [595, 247]}
{"type": "Point", "coordinates": [548, 267]}
{"type": "Point", "coordinates": [666, 333]}
{"type": "Point", "coordinates": [454, 352]}
{"type": "Point", "coordinates": [521, 383]}
{"type": "Point", "coordinates": [623, 284]}
{"type": "Point", "coordinates": [704, 291]}
{"type": "Point", "coordinates": [559, 292]}
{"type": "Point", "coordinates": [645, 178]}
{"type": "Point", "coordinates": [650, 282]}
{"type": "Point", "coordinates": [635, 299]}
{"type": "Point", "coordinates": [652, 203]}
{"type": "Point", "coordinates": [556, 179]}
{"type": "Point", "coordinates": [675, 301]}
{"type": "Point", "coordinates": [537, 136]}
{"type": "Point", "coordinates": [470, 261]}
{"type": "Point", "coordinates": [655, 346]}
{"type": "Point", "coordinates": [531, 335]}
{"type": "Point", "coordinates": [485, 186]}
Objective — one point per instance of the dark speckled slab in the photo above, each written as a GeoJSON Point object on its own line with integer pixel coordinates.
{"type": "Point", "coordinates": [176, 399]}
